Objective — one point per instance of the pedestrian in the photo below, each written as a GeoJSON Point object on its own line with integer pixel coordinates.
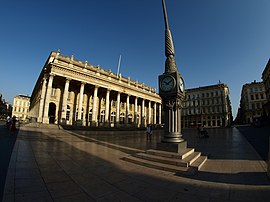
{"type": "Point", "coordinates": [13, 124]}
{"type": "Point", "coordinates": [204, 133]}
{"type": "Point", "coordinates": [8, 122]}
{"type": "Point", "coordinates": [149, 131]}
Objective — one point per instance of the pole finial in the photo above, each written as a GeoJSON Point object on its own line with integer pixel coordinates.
{"type": "Point", "coordinates": [170, 65]}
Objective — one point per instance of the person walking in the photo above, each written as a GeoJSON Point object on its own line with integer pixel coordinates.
{"type": "Point", "coordinates": [8, 122]}
{"type": "Point", "coordinates": [149, 131]}
{"type": "Point", "coordinates": [13, 124]}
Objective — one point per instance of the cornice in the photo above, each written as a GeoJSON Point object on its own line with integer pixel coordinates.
{"type": "Point", "coordinates": [97, 78]}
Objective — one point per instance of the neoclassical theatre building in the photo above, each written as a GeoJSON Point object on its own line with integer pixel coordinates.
{"type": "Point", "coordinates": [73, 92]}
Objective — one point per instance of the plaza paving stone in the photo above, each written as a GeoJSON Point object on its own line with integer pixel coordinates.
{"type": "Point", "coordinates": [64, 165]}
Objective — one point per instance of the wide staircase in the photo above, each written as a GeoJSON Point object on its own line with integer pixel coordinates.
{"type": "Point", "coordinates": [188, 162]}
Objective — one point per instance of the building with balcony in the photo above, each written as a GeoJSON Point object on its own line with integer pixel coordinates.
{"type": "Point", "coordinates": [209, 106]}
{"type": "Point", "coordinates": [253, 98]}
{"type": "Point", "coordinates": [266, 81]}
{"type": "Point", "coordinates": [20, 109]}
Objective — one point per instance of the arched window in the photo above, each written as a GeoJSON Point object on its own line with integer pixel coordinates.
{"type": "Point", "coordinates": [90, 115]}
{"type": "Point", "coordinates": [122, 118]}
{"type": "Point", "coordinates": [113, 117]}
{"type": "Point", "coordinates": [102, 116]}
{"type": "Point", "coordinates": [77, 114]}
{"type": "Point", "coordinates": [130, 118]}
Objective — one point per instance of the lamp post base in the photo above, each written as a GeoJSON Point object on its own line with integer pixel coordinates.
{"type": "Point", "coordinates": [172, 147]}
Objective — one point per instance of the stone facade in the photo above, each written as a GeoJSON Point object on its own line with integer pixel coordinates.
{"type": "Point", "coordinates": [21, 104]}
{"type": "Point", "coordinates": [266, 81]}
{"type": "Point", "coordinates": [73, 92]}
{"type": "Point", "coordinates": [253, 98]}
{"type": "Point", "coordinates": [209, 106]}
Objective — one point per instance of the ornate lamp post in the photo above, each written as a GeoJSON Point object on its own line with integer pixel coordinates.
{"type": "Point", "coordinates": [171, 90]}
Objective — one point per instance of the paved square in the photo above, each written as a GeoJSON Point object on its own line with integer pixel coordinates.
{"type": "Point", "coordinates": [61, 165]}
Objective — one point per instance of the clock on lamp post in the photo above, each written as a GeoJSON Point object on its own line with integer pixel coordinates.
{"type": "Point", "coordinates": [171, 90]}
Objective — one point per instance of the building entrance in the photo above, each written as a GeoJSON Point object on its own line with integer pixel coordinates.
{"type": "Point", "coordinates": [52, 110]}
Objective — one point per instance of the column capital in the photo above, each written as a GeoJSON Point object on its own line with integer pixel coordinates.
{"type": "Point", "coordinates": [51, 74]}
{"type": "Point", "coordinates": [68, 79]}
{"type": "Point", "coordinates": [45, 76]}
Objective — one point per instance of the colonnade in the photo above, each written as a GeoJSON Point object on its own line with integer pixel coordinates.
{"type": "Point", "coordinates": [141, 113]}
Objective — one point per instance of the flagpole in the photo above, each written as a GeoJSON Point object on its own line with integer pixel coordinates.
{"type": "Point", "coordinates": [118, 68]}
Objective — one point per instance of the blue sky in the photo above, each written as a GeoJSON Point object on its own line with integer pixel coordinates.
{"type": "Point", "coordinates": [226, 40]}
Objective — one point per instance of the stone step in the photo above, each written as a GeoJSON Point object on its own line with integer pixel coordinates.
{"type": "Point", "coordinates": [186, 152]}
{"type": "Point", "coordinates": [192, 158]}
{"type": "Point", "coordinates": [161, 166]}
{"type": "Point", "coordinates": [161, 159]}
{"type": "Point", "coordinates": [199, 162]}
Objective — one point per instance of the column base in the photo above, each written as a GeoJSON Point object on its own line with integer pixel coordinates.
{"type": "Point", "coordinates": [63, 121]}
{"type": "Point", "coordinates": [45, 120]}
{"type": "Point", "coordinates": [93, 124]}
{"type": "Point", "coordinates": [79, 123]}
{"type": "Point", "coordinates": [39, 119]}
{"type": "Point", "coordinates": [107, 124]}
{"type": "Point", "coordinates": [172, 147]}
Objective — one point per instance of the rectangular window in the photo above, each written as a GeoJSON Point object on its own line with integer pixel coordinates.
{"type": "Point", "coordinates": [113, 103]}
{"type": "Point", "coordinates": [257, 96]}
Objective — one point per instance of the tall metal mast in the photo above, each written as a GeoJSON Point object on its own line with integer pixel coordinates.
{"type": "Point", "coordinates": [170, 65]}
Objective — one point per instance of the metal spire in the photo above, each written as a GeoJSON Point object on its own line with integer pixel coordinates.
{"type": "Point", "coordinates": [170, 65]}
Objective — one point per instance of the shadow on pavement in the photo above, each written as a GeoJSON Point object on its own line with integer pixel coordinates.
{"type": "Point", "coordinates": [7, 141]}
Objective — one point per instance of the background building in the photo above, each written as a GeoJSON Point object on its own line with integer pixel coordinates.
{"type": "Point", "coordinates": [252, 101]}
{"type": "Point", "coordinates": [73, 92]}
{"type": "Point", "coordinates": [266, 81]}
{"type": "Point", "coordinates": [21, 104]}
{"type": "Point", "coordinates": [3, 108]}
{"type": "Point", "coordinates": [209, 106]}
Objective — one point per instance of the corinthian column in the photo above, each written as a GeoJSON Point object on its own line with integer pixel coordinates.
{"type": "Point", "coordinates": [127, 109]}
{"type": "Point", "coordinates": [118, 109]}
{"type": "Point", "coordinates": [94, 111]}
{"type": "Point", "coordinates": [64, 102]}
{"type": "Point", "coordinates": [136, 112]}
{"type": "Point", "coordinates": [107, 109]}
{"type": "Point", "coordinates": [47, 99]}
{"type": "Point", "coordinates": [41, 101]}
{"type": "Point", "coordinates": [143, 115]}
{"type": "Point", "coordinates": [149, 113]}
{"type": "Point", "coordinates": [159, 114]}
{"type": "Point", "coordinates": [155, 114]}
{"type": "Point", "coordinates": [80, 103]}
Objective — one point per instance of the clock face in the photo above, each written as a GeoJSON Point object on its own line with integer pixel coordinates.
{"type": "Point", "coordinates": [167, 83]}
{"type": "Point", "coordinates": [181, 85]}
